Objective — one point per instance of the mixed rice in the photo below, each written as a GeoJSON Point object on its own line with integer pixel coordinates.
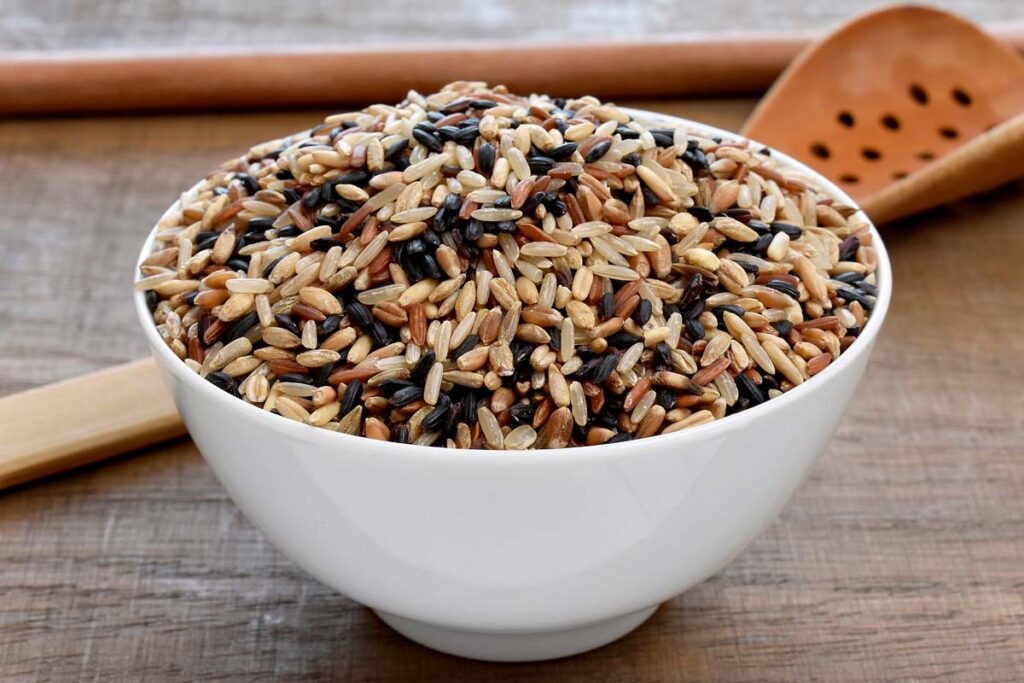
{"type": "Point", "coordinates": [477, 269]}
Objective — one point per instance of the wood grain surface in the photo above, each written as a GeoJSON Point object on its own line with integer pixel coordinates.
{"type": "Point", "coordinates": [901, 559]}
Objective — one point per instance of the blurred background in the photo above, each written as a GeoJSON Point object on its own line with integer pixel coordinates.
{"type": "Point", "coordinates": [52, 25]}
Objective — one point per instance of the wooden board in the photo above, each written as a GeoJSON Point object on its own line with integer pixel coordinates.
{"type": "Point", "coordinates": [901, 559]}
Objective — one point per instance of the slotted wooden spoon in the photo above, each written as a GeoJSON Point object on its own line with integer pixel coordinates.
{"type": "Point", "coordinates": [906, 108]}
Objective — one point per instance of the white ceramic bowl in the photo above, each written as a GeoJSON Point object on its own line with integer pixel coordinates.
{"type": "Point", "coordinates": [519, 555]}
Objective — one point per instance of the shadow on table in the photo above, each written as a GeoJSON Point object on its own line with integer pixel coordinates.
{"type": "Point", "coordinates": [370, 650]}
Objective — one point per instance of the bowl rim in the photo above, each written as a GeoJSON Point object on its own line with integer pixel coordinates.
{"type": "Point", "coordinates": [327, 438]}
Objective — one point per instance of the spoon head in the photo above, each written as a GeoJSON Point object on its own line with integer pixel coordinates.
{"type": "Point", "coordinates": [888, 94]}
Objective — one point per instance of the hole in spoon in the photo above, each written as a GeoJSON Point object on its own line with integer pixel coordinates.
{"type": "Point", "coordinates": [891, 122]}
{"type": "Point", "coordinates": [925, 156]}
{"type": "Point", "coordinates": [919, 94]}
{"type": "Point", "coordinates": [899, 175]}
{"type": "Point", "coordinates": [962, 97]}
{"type": "Point", "coordinates": [821, 151]}
{"type": "Point", "coordinates": [845, 118]}
{"type": "Point", "coordinates": [949, 133]}
{"type": "Point", "coordinates": [849, 179]}
{"type": "Point", "coordinates": [871, 154]}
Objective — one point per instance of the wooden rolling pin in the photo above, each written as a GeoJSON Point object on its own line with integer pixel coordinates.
{"type": "Point", "coordinates": [108, 81]}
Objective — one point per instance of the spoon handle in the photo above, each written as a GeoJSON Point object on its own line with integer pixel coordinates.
{"type": "Point", "coordinates": [83, 420]}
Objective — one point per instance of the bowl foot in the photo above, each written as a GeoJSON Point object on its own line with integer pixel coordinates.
{"type": "Point", "coordinates": [517, 646]}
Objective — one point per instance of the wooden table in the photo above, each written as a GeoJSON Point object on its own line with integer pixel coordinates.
{"type": "Point", "coordinates": [902, 558]}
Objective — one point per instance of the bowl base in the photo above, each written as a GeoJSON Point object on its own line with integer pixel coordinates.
{"type": "Point", "coordinates": [517, 646]}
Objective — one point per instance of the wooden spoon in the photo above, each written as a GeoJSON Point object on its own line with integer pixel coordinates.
{"type": "Point", "coordinates": [906, 108]}
{"type": "Point", "coordinates": [101, 414]}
